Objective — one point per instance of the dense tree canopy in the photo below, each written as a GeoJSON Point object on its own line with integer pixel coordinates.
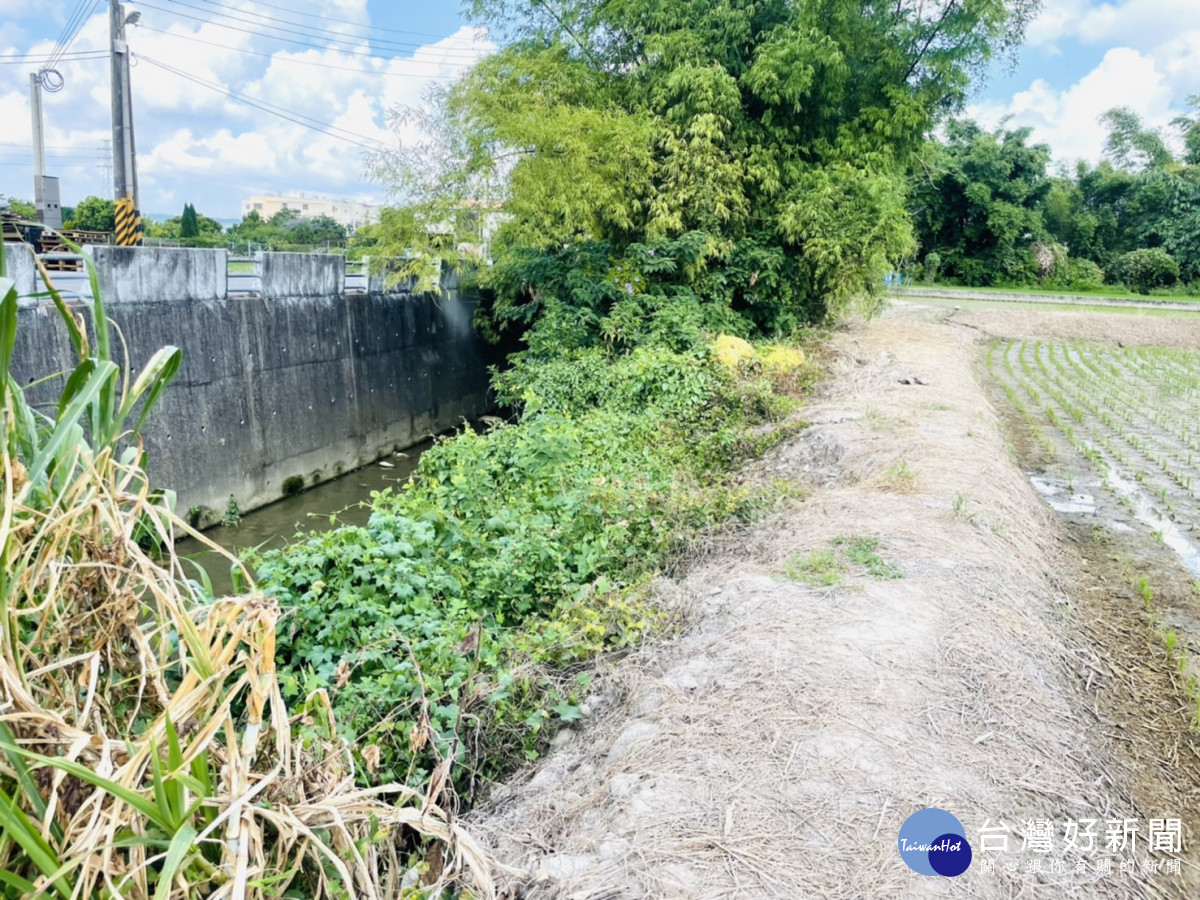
{"type": "Point", "coordinates": [977, 198]}
{"type": "Point", "coordinates": [986, 208]}
{"type": "Point", "coordinates": [95, 214]}
{"type": "Point", "coordinates": [287, 229]}
{"type": "Point", "coordinates": [190, 228]}
{"type": "Point", "coordinates": [189, 225]}
{"type": "Point", "coordinates": [707, 161]}
{"type": "Point", "coordinates": [22, 208]}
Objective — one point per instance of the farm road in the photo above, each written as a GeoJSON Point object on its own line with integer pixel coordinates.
{"type": "Point", "coordinates": [776, 748]}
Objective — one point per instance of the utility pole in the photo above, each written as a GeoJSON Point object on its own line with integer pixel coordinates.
{"type": "Point", "coordinates": [124, 154]}
{"type": "Point", "coordinates": [39, 145]}
{"type": "Point", "coordinates": [46, 199]}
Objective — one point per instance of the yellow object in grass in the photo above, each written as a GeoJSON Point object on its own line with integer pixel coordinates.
{"type": "Point", "coordinates": [782, 359]}
{"type": "Point", "coordinates": [732, 351]}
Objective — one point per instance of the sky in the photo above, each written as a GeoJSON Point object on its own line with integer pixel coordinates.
{"type": "Point", "coordinates": [335, 68]}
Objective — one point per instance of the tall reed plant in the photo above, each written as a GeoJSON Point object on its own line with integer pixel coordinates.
{"type": "Point", "coordinates": [145, 748]}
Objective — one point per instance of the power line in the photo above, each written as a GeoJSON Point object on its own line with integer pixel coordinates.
{"type": "Point", "coordinates": [296, 118]}
{"type": "Point", "coordinates": [308, 62]}
{"type": "Point", "coordinates": [313, 29]}
{"type": "Point", "coordinates": [54, 156]}
{"type": "Point", "coordinates": [70, 27]}
{"type": "Point", "coordinates": [76, 165]}
{"type": "Point", "coordinates": [275, 37]}
{"type": "Point", "coordinates": [47, 60]}
{"type": "Point", "coordinates": [334, 19]}
{"type": "Point", "coordinates": [327, 37]}
{"type": "Point", "coordinates": [71, 30]}
{"type": "Point", "coordinates": [300, 28]}
{"type": "Point", "coordinates": [25, 146]}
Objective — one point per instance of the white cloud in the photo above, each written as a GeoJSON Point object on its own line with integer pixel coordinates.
{"type": "Point", "coordinates": [1068, 120]}
{"type": "Point", "coordinates": [1151, 65]}
{"type": "Point", "coordinates": [1136, 22]}
{"type": "Point", "coordinates": [1180, 59]}
{"type": "Point", "coordinates": [1054, 21]}
{"type": "Point", "coordinates": [197, 144]}
{"type": "Point", "coordinates": [1139, 23]}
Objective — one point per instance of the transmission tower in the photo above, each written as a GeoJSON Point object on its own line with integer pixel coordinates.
{"type": "Point", "coordinates": [106, 160]}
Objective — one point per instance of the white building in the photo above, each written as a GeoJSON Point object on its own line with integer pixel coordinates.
{"type": "Point", "coordinates": [344, 212]}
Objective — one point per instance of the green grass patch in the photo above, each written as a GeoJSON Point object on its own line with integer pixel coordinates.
{"type": "Point", "coordinates": [1107, 293]}
{"type": "Point", "coordinates": [825, 567]}
{"type": "Point", "coordinates": [820, 567]}
{"type": "Point", "coordinates": [863, 551]}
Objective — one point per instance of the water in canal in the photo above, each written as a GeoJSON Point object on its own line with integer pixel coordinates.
{"type": "Point", "coordinates": [347, 498]}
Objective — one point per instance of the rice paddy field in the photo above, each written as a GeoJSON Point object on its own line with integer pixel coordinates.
{"type": "Point", "coordinates": [1110, 438]}
{"type": "Point", "coordinates": [1129, 412]}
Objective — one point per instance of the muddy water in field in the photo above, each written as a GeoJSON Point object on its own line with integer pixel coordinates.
{"type": "Point", "coordinates": [342, 501]}
{"type": "Point", "coordinates": [1109, 439]}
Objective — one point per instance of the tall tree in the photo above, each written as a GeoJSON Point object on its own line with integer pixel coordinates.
{"type": "Point", "coordinates": [189, 225]}
{"type": "Point", "coordinates": [662, 157]}
{"type": "Point", "coordinates": [1130, 144]}
{"type": "Point", "coordinates": [95, 214]}
{"type": "Point", "coordinates": [976, 201]}
{"type": "Point", "coordinates": [1189, 129]}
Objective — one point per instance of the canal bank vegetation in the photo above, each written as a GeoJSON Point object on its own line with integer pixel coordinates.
{"type": "Point", "coordinates": [457, 624]}
{"type": "Point", "coordinates": [656, 185]}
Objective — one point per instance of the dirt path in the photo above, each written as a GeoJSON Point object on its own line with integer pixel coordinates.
{"type": "Point", "coordinates": [777, 747]}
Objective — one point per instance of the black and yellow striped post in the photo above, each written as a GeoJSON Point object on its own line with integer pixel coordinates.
{"type": "Point", "coordinates": [129, 224]}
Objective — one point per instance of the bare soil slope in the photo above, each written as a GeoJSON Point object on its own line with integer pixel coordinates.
{"type": "Point", "coordinates": [776, 748]}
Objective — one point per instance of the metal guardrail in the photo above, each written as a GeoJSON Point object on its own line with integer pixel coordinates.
{"type": "Point", "coordinates": [242, 283]}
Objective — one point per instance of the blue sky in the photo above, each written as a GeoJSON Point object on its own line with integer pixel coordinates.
{"type": "Point", "coordinates": [342, 64]}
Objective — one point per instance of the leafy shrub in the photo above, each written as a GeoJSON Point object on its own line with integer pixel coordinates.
{"type": "Point", "coordinates": [1085, 275]}
{"type": "Point", "coordinates": [514, 555]}
{"type": "Point", "coordinates": [933, 265]}
{"type": "Point", "coordinates": [732, 351]}
{"type": "Point", "coordinates": [499, 536]}
{"type": "Point", "coordinates": [648, 378]}
{"type": "Point", "coordinates": [1144, 270]}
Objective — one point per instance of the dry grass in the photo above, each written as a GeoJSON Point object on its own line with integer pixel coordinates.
{"type": "Point", "coordinates": [142, 730]}
{"type": "Point", "coordinates": [777, 747]}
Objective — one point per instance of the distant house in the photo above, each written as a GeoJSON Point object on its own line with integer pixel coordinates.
{"type": "Point", "coordinates": [345, 212]}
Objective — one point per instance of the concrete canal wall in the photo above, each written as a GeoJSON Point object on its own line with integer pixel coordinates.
{"type": "Point", "coordinates": [296, 384]}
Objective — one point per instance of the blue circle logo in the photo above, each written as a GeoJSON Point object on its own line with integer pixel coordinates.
{"type": "Point", "coordinates": [933, 842]}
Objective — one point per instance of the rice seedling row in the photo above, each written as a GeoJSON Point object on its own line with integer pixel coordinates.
{"type": "Point", "coordinates": [1128, 411]}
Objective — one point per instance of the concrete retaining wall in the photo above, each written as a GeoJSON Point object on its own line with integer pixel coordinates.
{"type": "Point", "coordinates": [276, 387]}
{"type": "Point", "coordinates": [160, 274]}
{"type": "Point", "coordinates": [300, 274]}
{"type": "Point", "coordinates": [19, 266]}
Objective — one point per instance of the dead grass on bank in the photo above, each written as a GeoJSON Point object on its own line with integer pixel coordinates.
{"type": "Point", "coordinates": [145, 748]}
{"type": "Point", "coordinates": [777, 747]}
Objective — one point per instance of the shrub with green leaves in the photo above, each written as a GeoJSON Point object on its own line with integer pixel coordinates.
{"type": "Point", "coordinates": [1085, 275]}
{"type": "Point", "coordinates": [1145, 270]}
{"type": "Point", "coordinates": [933, 266]}
{"type": "Point", "coordinates": [473, 591]}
